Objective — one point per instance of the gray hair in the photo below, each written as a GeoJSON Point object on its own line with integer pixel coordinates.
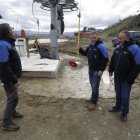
{"type": "Point", "coordinates": [4, 30]}
{"type": "Point", "coordinates": [94, 33]}
{"type": "Point", "coordinates": [127, 34]}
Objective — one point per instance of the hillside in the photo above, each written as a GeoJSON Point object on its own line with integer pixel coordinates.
{"type": "Point", "coordinates": [129, 23]}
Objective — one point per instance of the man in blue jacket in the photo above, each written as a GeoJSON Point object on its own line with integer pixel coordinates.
{"type": "Point", "coordinates": [97, 55]}
{"type": "Point", "coordinates": [125, 63]}
{"type": "Point", "coordinates": [10, 72]}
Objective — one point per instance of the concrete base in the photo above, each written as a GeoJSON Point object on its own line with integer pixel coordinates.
{"type": "Point", "coordinates": [36, 67]}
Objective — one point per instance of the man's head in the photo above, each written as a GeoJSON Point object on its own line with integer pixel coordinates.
{"type": "Point", "coordinates": [94, 37]}
{"type": "Point", "coordinates": [6, 31]}
{"type": "Point", "coordinates": [123, 37]}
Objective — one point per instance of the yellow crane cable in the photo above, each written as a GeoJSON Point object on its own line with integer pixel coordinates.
{"type": "Point", "coordinates": [78, 38]}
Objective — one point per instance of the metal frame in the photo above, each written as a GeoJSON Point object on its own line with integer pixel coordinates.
{"type": "Point", "coordinates": [57, 7]}
{"type": "Point", "coordinates": [67, 5]}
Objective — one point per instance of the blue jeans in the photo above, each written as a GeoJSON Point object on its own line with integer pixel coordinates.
{"type": "Point", "coordinates": [95, 82]}
{"type": "Point", "coordinates": [122, 90]}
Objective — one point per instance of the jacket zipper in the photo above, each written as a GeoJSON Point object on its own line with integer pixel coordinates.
{"type": "Point", "coordinates": [118, 60]}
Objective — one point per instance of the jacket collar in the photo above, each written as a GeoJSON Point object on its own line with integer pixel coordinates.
{"type": "Point", "coordinates": [127, 43]}
{"type": "Point", "coordinates": [11, 41]}
{"type": "Point", "coordinates": [97, 43]}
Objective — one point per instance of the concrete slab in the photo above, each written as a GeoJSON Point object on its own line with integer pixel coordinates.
{"type": "Point", "coordinates": [36, 67]}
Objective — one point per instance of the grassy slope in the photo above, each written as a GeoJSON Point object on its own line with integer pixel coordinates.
{"type": "Point", "coordinates": [129, 23]}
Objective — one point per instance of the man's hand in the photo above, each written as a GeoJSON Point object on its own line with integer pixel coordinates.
{"type": "Point", "coordinates": [110, 74]}
{"type": "Point", "coordinates": [17, 84]}
{"type": "Point", "coordinates": [78, 47]}
{"type": "Point", "coordinates": [100, 73]}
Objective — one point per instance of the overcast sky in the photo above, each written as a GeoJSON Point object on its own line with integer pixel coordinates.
{"type": "Point", "coordinates": [94, 13]}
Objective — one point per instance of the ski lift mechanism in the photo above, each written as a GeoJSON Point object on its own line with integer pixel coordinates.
{"type": "Point", "coordinates": [57, 7]}
{"type": "Point", "coordinates": [67, 5]}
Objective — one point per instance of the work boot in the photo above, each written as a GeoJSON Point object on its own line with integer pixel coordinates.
{"type": "Point", "coordinates": [114, 109]}
{"type": "Point", "coordinates": [11, 127]}
{"type": "Point", "coordinates": [92, 107]}
{"type": "Point", "coordinates": [17, 115]}
{"type": "Point", "coordinates": [123, 117]}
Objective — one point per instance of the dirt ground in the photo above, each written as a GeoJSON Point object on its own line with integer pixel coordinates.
{"type": "Point", "coordinates": [55, 109]}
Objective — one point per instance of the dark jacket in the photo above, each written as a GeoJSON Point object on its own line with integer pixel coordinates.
{"type": "Point", "coordinates": [10, 64]}
{"type": "Point", "coordinates": [97, 56]}
{"type": "Point", "coordinates": [125, 62]}
{"type": "Point", "coordinates": [44, 53]}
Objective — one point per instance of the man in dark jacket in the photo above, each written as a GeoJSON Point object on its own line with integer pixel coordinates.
{"type": "Point", "coordinates": [97, 55]}
{"type": "Point", "coordinates": [125, 63]}
{"type": "Point", "coordinates": [10, 72]}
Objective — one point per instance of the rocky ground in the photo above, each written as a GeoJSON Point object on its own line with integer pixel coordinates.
{"type": "Point", "coordinates": [55, 109]}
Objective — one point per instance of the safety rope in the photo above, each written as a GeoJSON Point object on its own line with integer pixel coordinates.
{"type": "Point", "coordinates": [37, 20]}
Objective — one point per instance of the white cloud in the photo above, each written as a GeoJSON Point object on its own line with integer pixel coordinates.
{"type": "Point", "coordinates": [100, 13]}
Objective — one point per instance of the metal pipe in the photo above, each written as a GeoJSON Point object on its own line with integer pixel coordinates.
{"type": "Point", "coordinates": [54, 31]}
